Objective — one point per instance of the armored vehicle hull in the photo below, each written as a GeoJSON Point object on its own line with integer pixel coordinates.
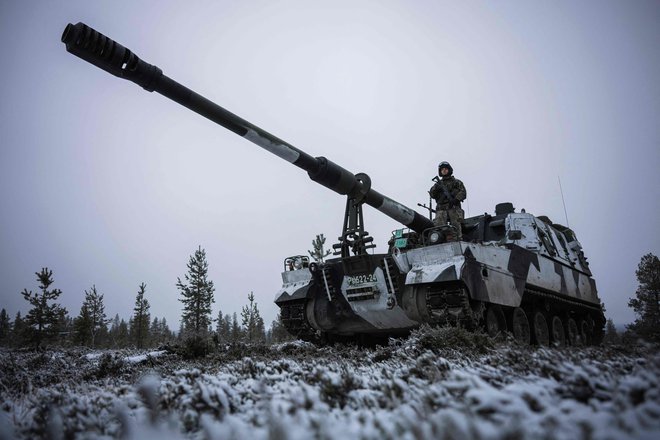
{"type": "Point", "coordinates": [514, 272]}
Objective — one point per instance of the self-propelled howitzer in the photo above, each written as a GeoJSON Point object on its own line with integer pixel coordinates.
{"type": "Point", "coordinates": [511, 272]}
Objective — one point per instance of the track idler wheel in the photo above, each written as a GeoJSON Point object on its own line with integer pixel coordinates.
{"type": "Point", "coordinates": [495, 321]}
{"type": "Point", "coordinates": [586, 331]}
{"type": "Point", "coordinates": [540, 328]}
{"type": "Point", "coordinates": [520, 326]}
{"type": "Point", "coordinates": [558, 334]}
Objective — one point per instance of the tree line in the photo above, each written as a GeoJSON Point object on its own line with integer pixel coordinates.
{"type": "Point", "coordinates": [48, 323]}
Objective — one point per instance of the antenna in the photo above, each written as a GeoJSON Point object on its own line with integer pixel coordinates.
{"type": "Point", "coordinates": [563, 202]}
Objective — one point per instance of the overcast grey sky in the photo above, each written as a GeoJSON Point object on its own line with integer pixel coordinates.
{"type": "Point", "coordinates": [110, 185]}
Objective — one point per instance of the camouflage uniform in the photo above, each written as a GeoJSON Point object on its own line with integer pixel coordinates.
{"type": "Point", "coordinates": [448, 209]}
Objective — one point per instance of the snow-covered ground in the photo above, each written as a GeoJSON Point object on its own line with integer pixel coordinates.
{"type": "Point", "coordinates": [439, 383]}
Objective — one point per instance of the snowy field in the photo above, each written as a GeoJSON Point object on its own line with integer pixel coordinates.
{"type": "Point", "coordinates": [440, 384]}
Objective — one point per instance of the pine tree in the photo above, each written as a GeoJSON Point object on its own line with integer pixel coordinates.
{"type": "Point", "coordinates": [18, 331]}
{"type": "Point", "coordinates": [41, 321]}
{"type": "Point", "coordinates": [91, 323]}
{"type": "Point", "coordinates": [646, 303]}
{"type": "Point", "coordinates": [236, 333]}
{"type": "Point", "coordinates": [155, 332]}
{"type": "Point", "coordinates": [260, 328]}
{"type": "Point", "coordinates": [611, 335]}
{"type": "Point", "coordinates": [82, 327]}
{"type": "Point", "coordinates": [140, 320]}
{"type": "Point", "coordinates": [197, 297]}
{"type": "Point", "coordinates": [63, 326]}
{"type": "Point", "coordinates": [226, 328]}
{"type": "Point", "coordinates": [113, 333]}
{"type": "Point", "coordinates": [122, 334]}
{"type": "Point", "coordinates": [219, 328]}
{"type": "Point", "coordinates": [278, 332]}
{"type": "Point", "coordinates": [253, 324]}
{"type": "Point", "coordinates": [118, 335]}
{"type": "Point", "coordinates": [318, 254]}
{"type": "Point", "coordinates": [166, 335]}
{"type": "Point", "coordinates": [5, 327]}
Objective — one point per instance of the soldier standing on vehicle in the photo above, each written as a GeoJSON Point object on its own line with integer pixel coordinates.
{"type": "Point", "coordinates": [448, 193]}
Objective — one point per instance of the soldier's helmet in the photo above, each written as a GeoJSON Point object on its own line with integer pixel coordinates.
{"type": "Point", "coordinates": [444, 164]}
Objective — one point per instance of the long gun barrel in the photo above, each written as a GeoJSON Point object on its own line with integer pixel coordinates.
{"type": "Point", "coordinates": [105, 53]}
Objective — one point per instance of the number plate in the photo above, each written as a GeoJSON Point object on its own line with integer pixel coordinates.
{"type": "Point", "coordinates": [361, 280]}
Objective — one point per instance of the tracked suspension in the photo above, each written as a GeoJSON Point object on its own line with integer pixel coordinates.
{"type": "Point", "coordinates": [450, 307]}
{"type": "Point", "coordinates": [295, 321]}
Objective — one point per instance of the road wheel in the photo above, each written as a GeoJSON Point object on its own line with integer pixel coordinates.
{"type": "Point", "coordinates": [540, 329]}
{"type": "Point", "coordinates": [558, 335]}
{"type": "Point", "coordinates": [520, 326]}
{"type": "Point", "coordinates": [495, 321]}
{"type": "Point", "coordinates": [572, 329]}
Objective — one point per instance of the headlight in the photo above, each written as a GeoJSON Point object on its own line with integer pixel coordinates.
{"type": "Point", "coordinates": [434, 237]}
{"type": "Point", "coordinates": [297, 263]}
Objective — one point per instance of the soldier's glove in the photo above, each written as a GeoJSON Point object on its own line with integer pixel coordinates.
{"type": "Point", "coordinates": [453, 203]}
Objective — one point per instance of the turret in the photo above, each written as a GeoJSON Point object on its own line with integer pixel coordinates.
{"type": "Point", "coordinates": [105, 53]}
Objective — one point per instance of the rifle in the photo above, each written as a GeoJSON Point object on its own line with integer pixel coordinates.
{"type": "Point", "coordinates": [446, 193]}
